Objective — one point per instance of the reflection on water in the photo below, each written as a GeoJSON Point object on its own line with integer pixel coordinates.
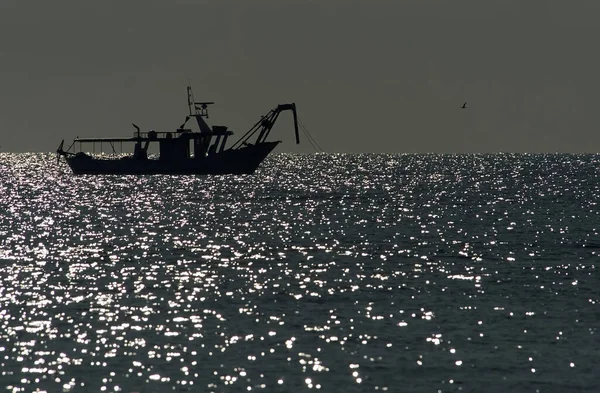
{"type": "Point", "coordinates": [418, 273]}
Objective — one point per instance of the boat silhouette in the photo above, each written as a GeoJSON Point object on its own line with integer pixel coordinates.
{"type": "Point", "coordinates": [183, 151]}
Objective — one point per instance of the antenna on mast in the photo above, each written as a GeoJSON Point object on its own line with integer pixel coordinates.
{"type": "Point", "coordinates": [197, 108]}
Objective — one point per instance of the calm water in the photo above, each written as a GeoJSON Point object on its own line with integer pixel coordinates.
{"type": "Point", "coordinates": [350, 273]}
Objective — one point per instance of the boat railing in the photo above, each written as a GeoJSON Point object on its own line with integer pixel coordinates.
{"type": "Point", "coordinates": [217, 130]}
{"type": "Point", "coordinates": [159, 134]}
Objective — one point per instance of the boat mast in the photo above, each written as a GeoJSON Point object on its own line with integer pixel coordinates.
{"type": "Point", "coordinates": [190, 98]}
{"type": "Point", "coordinates": [198, 110]}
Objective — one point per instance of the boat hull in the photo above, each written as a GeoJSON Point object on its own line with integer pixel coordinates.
{"type": "Point", "coordinates": [244, 160]}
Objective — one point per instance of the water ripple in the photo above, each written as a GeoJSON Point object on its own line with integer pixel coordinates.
{"type": "Point", "coordinates": [328, 272]}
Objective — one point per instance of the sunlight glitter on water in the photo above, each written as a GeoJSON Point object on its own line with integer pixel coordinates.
{"type": "Point", "coordinates": [360, 272]}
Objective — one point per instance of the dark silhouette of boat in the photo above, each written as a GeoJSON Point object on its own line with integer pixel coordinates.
{"type": "Point", "coordinates": [183, 151]}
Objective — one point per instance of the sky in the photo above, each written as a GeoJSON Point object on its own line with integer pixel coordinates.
{"type": "Point", "coordinates": [366, 76]}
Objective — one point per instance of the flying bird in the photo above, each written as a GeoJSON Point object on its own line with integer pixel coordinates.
{"type": "Point", "coordinates": [464, 105]}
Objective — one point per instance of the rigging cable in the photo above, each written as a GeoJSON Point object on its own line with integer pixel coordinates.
{"type": "Point", "coordinates": [311, 140]}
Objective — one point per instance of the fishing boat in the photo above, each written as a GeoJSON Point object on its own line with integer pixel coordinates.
{"type": "Point", "coordinates": [180, 152]}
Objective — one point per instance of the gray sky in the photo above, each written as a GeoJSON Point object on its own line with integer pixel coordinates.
{"type": "Point", "coordinates": [367, 76]}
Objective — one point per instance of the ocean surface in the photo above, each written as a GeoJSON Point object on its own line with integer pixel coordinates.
{"type": "Point", "coordinates": [325, 272]}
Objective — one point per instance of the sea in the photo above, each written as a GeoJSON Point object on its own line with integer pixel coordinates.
{"type": "Point", "coordinates": [319, 273]}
